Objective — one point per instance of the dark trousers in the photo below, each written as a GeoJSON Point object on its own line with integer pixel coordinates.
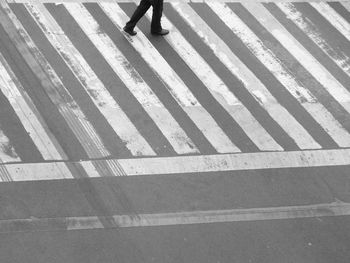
{"type": "Point", "coordinates": [142, 9]}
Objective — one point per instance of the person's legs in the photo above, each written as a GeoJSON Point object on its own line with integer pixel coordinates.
{"type": "Point", "coordinates": [156, 28]}
{"type": "Point", "coordinates": [139, 12]}
{"type": "Point", "coordinates": [157, 15]}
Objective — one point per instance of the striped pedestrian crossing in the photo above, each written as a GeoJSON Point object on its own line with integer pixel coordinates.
{"type": "Point", "coordinates": [235, 90]}
{"type": "Point", "coordinates": [220, 91]}
{"type": "Point", "coordinates": [10, 88]}
{"type": "Point", "coordinates": [180, 90]}
{"type": "Point", "coordinates": [337, 21]}
{"type": "Point", "coordinates": [317, 35]}
{"type": "Point", "coordinates": [235, 67]}
{"type": "Point", "coordinates": [278, 68]}
{"type": "Point", "coordinates": [255, 77]}
{"type": "Point", "coordinates": [92, 84]}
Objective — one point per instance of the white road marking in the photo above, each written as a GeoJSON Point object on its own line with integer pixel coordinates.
{"type": "Point", "coordinates": [339, 57]}
{"type": "Point", "coordinates": [321, 74]}
{"type": "Point", "coordinates": [176, 218]}
{"type": "Point", "coordinates": [293, 128]}
{"type": "Point", "coordinates": [190, 164]}
{"type": "Point", "coordinates": [143, 93]}
{"type": "Point", "coordinates": [38, 171]}
{"type": "Point", "coordinates": [10, 87]}
{"type": "Point", "coordinates": [333, 17]}
{"type": "Point", "coordinates": [176, 86]}
{"type": "Point", "coordinates": [261, 138]}
{"type": "Point", "coordinates": [7, 151]}
{"type": "Point", "coordinates": [93, 86]}
{"type": "Point", "coordinates": [342, 142]}
{"type": "Point", "coordinates": [65, 103]}
{"type": "Point", "coordinates": [305, 98]}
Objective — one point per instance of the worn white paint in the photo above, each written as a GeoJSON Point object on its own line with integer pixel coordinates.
{"type": "Point", "coordinates": [7, 151]}
{"type": "Point", "coordinates": [27, 114]}
{"type": "Point", "coordinates": [38, 171]}
{"type": "Point", "coordinates": [193, 165]}
{"type": "Point", "coordinates": [219, 90]}
{"type": "Point", "coordinates": [175, 218]}
{"type": "Point", "coordinates": [93, 86]}
{"type": "Point", "coordinates": [131, 78]}
{"type": "Point", "coordinates": [229, 215]}
{"type": "Point", "coordinates": [290, 82]}
{"type": "Point", "coordinates": [242, 161]}
{"type": "Point", "coordinates": [317, 70]}
{"type": "Point", "coordinates": [333, 17]}
{"type": "Point", "coordinates": [260, 51]}
{"type": "Point", "coordinates": [70, 110]}
{"type": "Point", "coordinates": [311, 30]}
{"type": "Point", "coordinates": [250, 81]}
{"type": "Point", "coordinates": [175, 85]}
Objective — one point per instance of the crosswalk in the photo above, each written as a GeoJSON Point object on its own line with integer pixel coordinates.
{"type": "Point", "coordinates": [230, 78]}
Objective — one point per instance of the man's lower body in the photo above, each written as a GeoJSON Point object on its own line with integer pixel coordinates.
{"type": "Point", "coordinates": [141, 10]}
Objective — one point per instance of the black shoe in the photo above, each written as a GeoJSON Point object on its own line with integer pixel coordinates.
{"type": "Point", "coordinates": [160, 33]}
{"type": "Point", "coordinates": [130, 31]}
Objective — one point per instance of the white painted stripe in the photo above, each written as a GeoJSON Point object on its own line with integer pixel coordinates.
{"type": "Point", "coordinates": [176, 218]}
{"type": "Point", "coordinates": [260, 51]}
{"type": "Point", "coordinates": [321, 74]}
{"type": "Point", "coordinates": [311, 30]}
{"type": "Point", "coordinates": [10, 86]}
{"type": "Point", "coordinates": [243, 161]}
{"type": "Point", "coordinates": [7, 151]}
{"type": "Point", "coordinates": [219, 90]}
{"type": "Point", "coordinates": [60, 96]}
{"type": "Point", "coordinates": [296, 131]}
{"type": "Point", "coordinates": [305, 98]}
{"type": "Point", "coordinates": [100, 96]}
{"type": "Point", "coordinates": [38, 172]}
{"type": "Point", "coordinates": [175, 85]}
{"type": "Point", "coordinates": [189, 164]}
{"type": "Point", "coordinates": [131, 78]}
{"type": "Point", "coordinates": [333, 17]}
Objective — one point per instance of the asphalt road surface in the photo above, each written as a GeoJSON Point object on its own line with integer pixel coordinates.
{"type": "Point", "coordinates": [227, 140]}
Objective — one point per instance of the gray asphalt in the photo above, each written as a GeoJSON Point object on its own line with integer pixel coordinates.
{"type": "Point", "coordinates": [324, 239]}
{"type": "Point", "coordinates": [303, 241]}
